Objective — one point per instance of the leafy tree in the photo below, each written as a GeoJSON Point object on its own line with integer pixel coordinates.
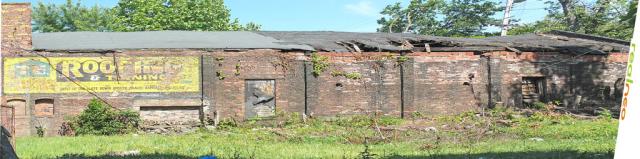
{"type": "Point", "coordinates": [440, 17]}
{"type": "Point", "coordinates": [419, 16]}
{"type": "Point", "coordinates": [200, 15]}
{"type": "Point", "coordinates": [469, 17]}
{"type": "Point", "coordinates": [611, 18]}
{"type": "Point", "coordinates": [251, 26]}
{"type": "Point", "coordinates": [70, 17]}
{"type": "Point", "coordinates": [137, 15]}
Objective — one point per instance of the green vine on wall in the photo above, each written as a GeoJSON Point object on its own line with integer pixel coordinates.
{"type": "Point", "coordinates": [220, 75]}
{"type": "Point", "coordinates": [402, 59]}
{"type": "Point", "coordinates": [237, 73]}
{"type": "Point", "coordinates": [350, 75]}
{"type": "Point", "coordinates": [353, 75]}
{"type": "Point", "coordinates": [320, 64]}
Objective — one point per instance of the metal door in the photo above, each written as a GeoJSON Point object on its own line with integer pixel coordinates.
{"type": "Point", "coordinates": [260, 98]}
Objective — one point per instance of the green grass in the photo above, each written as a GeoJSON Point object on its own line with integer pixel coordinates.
{"type": "Point", "coordinates": [464, 136]}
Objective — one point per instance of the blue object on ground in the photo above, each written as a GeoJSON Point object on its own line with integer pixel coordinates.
{"type": "Point", "coordinates": [208, 157]}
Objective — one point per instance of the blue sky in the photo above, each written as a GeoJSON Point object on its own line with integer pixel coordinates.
{"type": "Point", "coordinates": [323, 15]}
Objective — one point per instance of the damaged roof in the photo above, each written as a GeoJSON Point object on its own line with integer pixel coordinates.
{"type": "Point", "coordinates": [558, 41]}
{"type": "Point", "coordinates": [159, 40]}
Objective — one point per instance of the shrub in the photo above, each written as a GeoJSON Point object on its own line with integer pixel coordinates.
{"type": "Point", "coordinates": [288, 118]}
{"type": "Point", "coordinates": [605, 114]}
{"type": "Point", "coordinates": [537, 105]}
{"type": "Point", "coordinates": [40, 131]}
{"type": "Point", "coordinates": [227, 123]}
{"type": "Point", "coordinates": [99, 119]}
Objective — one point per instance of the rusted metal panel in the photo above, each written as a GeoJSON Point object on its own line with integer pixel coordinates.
{"type": "Point", "coordinates": [260, 98]}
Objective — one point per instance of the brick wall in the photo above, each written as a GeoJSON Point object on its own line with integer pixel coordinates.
{"type": "Point", "coordinates": [378, 89]}
{"type": "Point", "coordinates": [170, 114]}
{"type": "Point", "coordinates": [16, 27]}
{"type": "Point", "coordinates": [16, 35]}
{"type": "Point", "coordinates": [432, 83]}
{"type": "Point", "coordinates": [225, 74]}
{"type": "Point", "coordinates": [595, 78]}
{"type": "Point", "coordinates": [70, 104]}
{"type": "Point", "coordinates": [441, 83]}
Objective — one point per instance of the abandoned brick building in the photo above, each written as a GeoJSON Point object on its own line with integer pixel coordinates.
{"type": "Point", "coordinates": [182, 76]}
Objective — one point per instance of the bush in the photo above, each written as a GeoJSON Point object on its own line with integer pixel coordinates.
{"type": "Point", "coordinates": [40, 131]}
{"type": "Point", "coordinates": [537, 105]}
{"type": "Point", "coordinates": [605, 114]}
{"type": "Point", "coordinates": [227, 123]}
{"type": "Point", "coordinates": [99, 119]}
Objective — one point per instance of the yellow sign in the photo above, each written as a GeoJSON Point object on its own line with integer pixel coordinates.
{"type": "Point", "coordinates": [101, 74]}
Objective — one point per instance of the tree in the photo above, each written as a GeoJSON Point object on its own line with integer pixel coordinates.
{"type": "Point", "coordinates": [200, 15]}
{"type": "Point", "coordinates": [439, 17]}
{"type": "Point", "coordinates": [70, 17]}
{"type": "Point", "coordinates": [419, 16]}
{"type": "Point", "coordinates": [611, 18]}
{"type": "Point", "coordinates": [137, 15]}
{"type": "Point", "coordinates": [469, 17]}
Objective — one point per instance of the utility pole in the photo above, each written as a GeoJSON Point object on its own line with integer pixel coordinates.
{"type": "Point", "coordinates": [505, 19]}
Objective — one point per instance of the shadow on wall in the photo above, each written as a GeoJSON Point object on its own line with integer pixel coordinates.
{"type": "Point", "coordinates": [514, 155]}
{"type": "Point", "coordinates": [575, 84]}
{"type": "Point", "coordinates": [7, 151]}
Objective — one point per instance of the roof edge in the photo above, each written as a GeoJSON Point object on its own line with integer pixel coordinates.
{"type": "Point", "coordinates": [16, 3]}
{"type": "Point", "coordinates": [588, 37]}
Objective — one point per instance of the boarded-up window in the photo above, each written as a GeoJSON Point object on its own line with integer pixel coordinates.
{"type": "Point", "coordinates": [21, 121]}
{"type": "Point", "coordinates": [260, 98]}
{"type": "Point", "coordinates": [44, 108]}
{"type": "Point", "coordinates": [532, 89]}
{"type": "Point", "coordinates": [19, 106]}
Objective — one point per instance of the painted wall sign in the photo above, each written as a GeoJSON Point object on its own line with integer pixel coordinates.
{"type": "Point", "coordinates": [101, 74]}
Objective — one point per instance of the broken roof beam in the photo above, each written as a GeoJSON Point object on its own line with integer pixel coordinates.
{"type": "Point", "coordinates": [455, 49]}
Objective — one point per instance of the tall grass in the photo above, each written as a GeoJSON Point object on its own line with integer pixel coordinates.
{"type": "Point", "coordinates": [463, 136]}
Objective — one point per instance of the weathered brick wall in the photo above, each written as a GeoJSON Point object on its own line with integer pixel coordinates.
{"type": "Point", "coordinates": [429, 83]}
{"type": "Point", "coordinates": [377, 90]}
{"type": "Point", "coordinates": [599, 80]}
{"type": "Point", "coordinates": [225, 74]}
{"type": "Point", "coordinates": [596, 78]}
{"type": "Point", "coordinates": [511, 68]}
{"type": "Point", "coordinates": [16, 36]}
{"type": "Point", "coordinates": [170, 114]}
{"type": "Point", "coordinates": [16, 27]}
{"type": "Point", "coordinates": [440, 83]}
{"type": "Point", "coordinates": [70, 104]}
{"type": "Point", "coordinates": [433, 83]}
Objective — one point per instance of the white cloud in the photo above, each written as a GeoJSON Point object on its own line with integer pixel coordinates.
{"type": "Point", "coordinates": [362, 8]}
